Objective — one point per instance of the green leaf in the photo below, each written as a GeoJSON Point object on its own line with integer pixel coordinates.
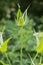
{"type": "Point", "coordinates": [40, 64]}
{"type": "Point", "coordinates": [20, 18]}
{"type": "Point", "coordinates": [21, 22]}
{"type": "Point", "coordinates": [5, 45]}
{"type": "Point", "coordinates": [19, 14]}
{"type": "Point", "coordinates": [39, 48]}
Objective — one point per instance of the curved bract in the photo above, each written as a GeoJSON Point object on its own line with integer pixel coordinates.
{"type": "Point", "coordinates": [4, 46]}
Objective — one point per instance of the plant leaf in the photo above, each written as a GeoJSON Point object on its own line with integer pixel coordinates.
{"type": "Point", "coordinates": [4, 46]}
{"type": "Point", "coordinates": [39, 48]}
{"type": "Point", "coordinates": [19, 14]}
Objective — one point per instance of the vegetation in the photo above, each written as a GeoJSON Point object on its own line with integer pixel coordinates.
{"type": "Point", "coordinates": [21, 32]}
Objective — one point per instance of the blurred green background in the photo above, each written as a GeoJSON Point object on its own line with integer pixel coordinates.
{"type": "Point", "coordinates": [8, 11]}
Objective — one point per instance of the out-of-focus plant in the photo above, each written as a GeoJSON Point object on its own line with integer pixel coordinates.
{"type": "Point", "coordinates": [4, 47]}
{"type": "Point", "coordinates": [39, 47]}
{"type": "Point", "coordinates": [39, 39]}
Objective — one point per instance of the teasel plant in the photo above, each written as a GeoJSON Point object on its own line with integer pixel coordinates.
{"type": "Point", "coordinates": [21, 21]}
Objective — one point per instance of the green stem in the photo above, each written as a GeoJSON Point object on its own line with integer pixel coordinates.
{"type": "Point", "coordinates": [41, 59]}
{"type": "Point", "coordinates": [21, 36]}
{"type": "Point", "coordinates": [35, 56]}
{"type": "Point", "coordinates": [32, 60]}
{"type": "Point", "coordinates": [8, 59]}
{"type": "Point", "coordinates": [21, 56]}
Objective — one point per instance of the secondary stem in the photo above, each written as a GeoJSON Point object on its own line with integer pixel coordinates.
{"type": "Point", "coordinates": [35, 56]}
{"type": "Point", "coordinates": [8, 59]}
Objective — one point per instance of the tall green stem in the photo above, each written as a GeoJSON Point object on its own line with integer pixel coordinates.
{"type": "Point", "coordinates": [21, 55]}
{"type": "Point", "coordinates": [21, 36]}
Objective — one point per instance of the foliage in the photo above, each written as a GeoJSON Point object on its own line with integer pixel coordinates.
{"type": "Point", "coordinates": [21, 48]}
